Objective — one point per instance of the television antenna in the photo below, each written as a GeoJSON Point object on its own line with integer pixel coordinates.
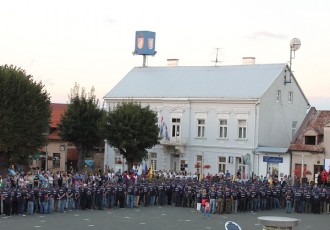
{"type": "Point", "coordinates": [216, 61]}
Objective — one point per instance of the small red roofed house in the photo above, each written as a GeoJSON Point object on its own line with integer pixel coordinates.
{"type": "Point", "coordinates": [310, 147]}
{"type": "Point", "coordinates": [60, 155]}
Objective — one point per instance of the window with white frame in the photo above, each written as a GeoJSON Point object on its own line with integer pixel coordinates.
{"type": "Point", "coordinates": [242, 129]}
{"type": "Point", "coordinates": [56, 160]}
{"type": "Point", "coordinates": [239, 163]}
{"type": "Point", "coordinates": [290, 97]}
{"type": "Point", "coordinates": [294, 128]}
{"type": "Point", "coordinates": [278, 95]}
{"type": "Point", "coordinates": [153, 161]}
{"type": "Point", "coordinates": [222, 164]}
{"type": "Point", "coordinates": [175, 127]}
{"type": "Point", "coordinates": [223, 128]}
{"type": "Point", "coordinates": [201, 128]}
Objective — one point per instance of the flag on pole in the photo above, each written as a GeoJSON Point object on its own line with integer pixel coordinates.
{"type": "Point", "coordinates": [150, 171]}
{"type": "Point", "coordinates": [139, 172]}
{"type": "Point", "coordinates": [145, 170]}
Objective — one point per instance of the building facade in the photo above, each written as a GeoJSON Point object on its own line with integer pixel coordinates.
{"type": "Point", "coordinates": [311, 146]}
{"type": "Point", "coordinates": [54, 154]}
{"type": "Point", "coordinates": [214, 119]}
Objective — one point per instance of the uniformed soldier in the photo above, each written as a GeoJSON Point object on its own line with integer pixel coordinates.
{"type": "Point", "coordinates": [99, 197]}
{"type": "Point", "coordinates": [30, 201]}
{"type": "Point", "coordinates": [70, 198]}
{"type": "Point", "coordinates": [242, 200]}
{"type": "Point", "coordinates": [76, 198]}
{"type": "Point", "coordinates": [21, 199]}
{"type": "Point", "coordinates": [14, 204]}
{"type": "Point", "coordinates": [121, 195]}
{"type": "Point", "coordinates": [228, 200]}
{"type": "Point", "coordinates": [130, 196]}
{"type": "Point", "coordinates": [168, 192]}
{"type": "Point", "coordinates": [56, 201]}
{"type": "Point", "coordinates": [152, 193]}
{"type": "Point", "coordinates": [6, 201]}
{"type": "Point", "coordinates": [297, 201]}
{"type": "Point", "coordinates": [316, 202]}
{"type": "Point", "coordinates": [161, 194]}
{"type": "Point", "coordinates": [234, 195]}
{"type": "Point", "coordinates": [220, 200]}
{"type": "Point", "coordinates": [137, 192]}
{"type": "Point", "coordinates": [263, 198]}
{"type": "Point", "coordinates": [62, 196]}
{"type": "Point", "coordinates": [288, 198]}
{"type": "Point", "coordinates": [323, 202]}
{"type": "Point", "coordinates": [89, 197]}
{"type": "Point", "coordinates": [308, 201]}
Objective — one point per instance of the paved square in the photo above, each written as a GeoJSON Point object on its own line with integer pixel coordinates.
{"type": "Point", "coordinates": [156, 218]}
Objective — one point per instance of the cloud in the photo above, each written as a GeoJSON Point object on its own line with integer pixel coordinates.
{"type": "Point", "coordinates": [267, 34]}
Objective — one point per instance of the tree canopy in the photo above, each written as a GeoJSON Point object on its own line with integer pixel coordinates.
{"type": "Point", "coordinates": [24, 114]}
{"type": "Point", "coordinates": [81, 123]}
{"type": "Point", "coordinates": [131, 129]}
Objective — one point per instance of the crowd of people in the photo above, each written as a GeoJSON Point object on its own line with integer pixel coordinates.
{"type": "Point", "coordinates": [44, 192]}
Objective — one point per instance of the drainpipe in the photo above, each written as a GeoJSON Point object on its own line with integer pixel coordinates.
{"type": "Point", "coordinates": [255, 137]}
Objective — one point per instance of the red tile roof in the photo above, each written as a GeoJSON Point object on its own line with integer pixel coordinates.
{"type": "Point", "coordinates": [57, 112]}
{"type": "Point", "coordinates": [315, 120]}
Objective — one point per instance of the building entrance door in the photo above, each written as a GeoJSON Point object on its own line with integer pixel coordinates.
{"type": "Point", "coordinates": [273, 169]}
{"type": "Point", "coordinates": [175, 164]}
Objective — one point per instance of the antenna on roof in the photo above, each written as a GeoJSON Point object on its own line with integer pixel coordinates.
{"type": "Point", "coordinates": [295, 44]}
{"type": "Point", "coordinates": [216, 61]}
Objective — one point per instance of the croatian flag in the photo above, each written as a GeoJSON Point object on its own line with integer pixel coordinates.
{"type": "Point", "coordinates": [145, 169]}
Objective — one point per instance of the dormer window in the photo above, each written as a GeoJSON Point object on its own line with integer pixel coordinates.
{"type": "Point", "coordinates": [310, 140]}
{"type": "Point", "coordinates": [311, 137]}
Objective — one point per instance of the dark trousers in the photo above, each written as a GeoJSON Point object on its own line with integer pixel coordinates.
{"type": "Point", "coordinates": [169, 197]}
{"type": "Point", "coordinates": [7, 208]}
{"type": "Point", "coordinates": [121, 201]}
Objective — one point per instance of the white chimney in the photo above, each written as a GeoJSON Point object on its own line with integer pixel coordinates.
{"type": "Point", "coordinates": [326, 140]}
{"type": "Point", "coordinates": [172, 62]}
{"type": "Point", "coordinates": [249, 60]}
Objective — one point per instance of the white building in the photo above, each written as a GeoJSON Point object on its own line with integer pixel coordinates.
{"type": "Point", "coordinates": [227, 117]}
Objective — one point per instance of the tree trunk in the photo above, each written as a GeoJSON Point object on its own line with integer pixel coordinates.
{"type": "Point", "coordinates": [80, 163]}
{"type": "Point", "coordinates": [129, 165]}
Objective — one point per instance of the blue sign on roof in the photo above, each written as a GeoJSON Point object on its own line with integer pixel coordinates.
{"type": "Point", "coordinates": [145, 43]}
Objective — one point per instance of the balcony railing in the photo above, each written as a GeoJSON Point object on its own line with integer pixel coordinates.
{"type": "Point", "coordinates": [175, 141]}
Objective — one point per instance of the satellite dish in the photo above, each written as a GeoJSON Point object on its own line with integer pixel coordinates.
{"type": "Point", "coordinates": [295, 44]}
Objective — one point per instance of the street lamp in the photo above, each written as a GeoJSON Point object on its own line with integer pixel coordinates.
{"type": "Point", "coordinates": [46, 134]}
{"type": "Point", "coordinates": [106, 157]}
{"type": "Point", "coordinates": [302, 167]}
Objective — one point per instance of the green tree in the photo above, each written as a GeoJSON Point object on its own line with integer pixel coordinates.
{"type": "Point", "coordinates": [131, 129]}
{"type": "Point", "coordinates": [81, 122]}
{"type": "Point", "coordinates": [24, 114]}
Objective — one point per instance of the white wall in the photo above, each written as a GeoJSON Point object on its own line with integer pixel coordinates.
{"type": "Point", "coordinates": [283, 167]}
{"type": "Point", "coordinates": [276, 117]}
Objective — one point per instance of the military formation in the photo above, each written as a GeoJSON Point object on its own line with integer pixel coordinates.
{"type": "Point", "coordinates": [226, 196]}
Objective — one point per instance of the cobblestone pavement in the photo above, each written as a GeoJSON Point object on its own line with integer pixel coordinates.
{"type": "Point", "coordinates": [164, 217]}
